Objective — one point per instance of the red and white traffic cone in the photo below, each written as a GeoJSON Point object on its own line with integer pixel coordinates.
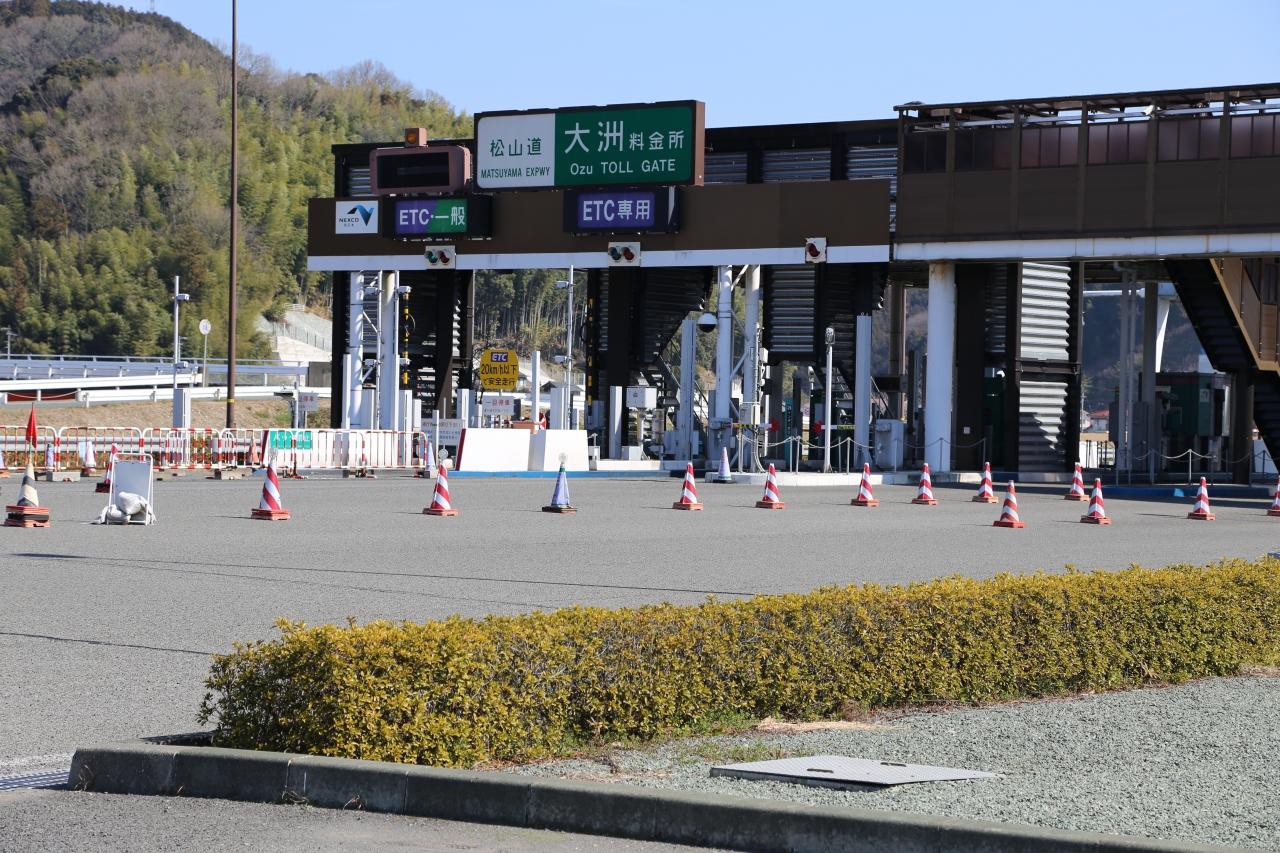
{"type": "Point", "coordinates": [1009, 513]}
{"type": "Point", "coordinates": [771, 499]}
{"type": "Point", "coordinates": [1076, 493]}
{"type": "Point", "coordinates": [105, 486]}
{"type": "Point", "coordinates": [270, 508]}
{"type": "Point", "coordinates": [986, 493]}
{"type": "Point", "coordinates": [924, 495]}
{"type": "Point", "coordinates": [440, 503]}
{"type": "Point", "coordinates": [865, 497]}
{"type": "Point", "coordinates": [688, 492]}
{"type": "Point", "coordinates": [1097, 509]}
{"type": "Point", "coordinates": [1201, 510]}
{"type": "Point", "coordinates": [1275, 504]}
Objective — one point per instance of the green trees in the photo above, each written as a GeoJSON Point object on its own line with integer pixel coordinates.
{"type": "Point", "coordinates": [114, 161]}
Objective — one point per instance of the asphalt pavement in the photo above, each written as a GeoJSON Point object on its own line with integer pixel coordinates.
{"type": "Point", "coordinates": [106, 632]}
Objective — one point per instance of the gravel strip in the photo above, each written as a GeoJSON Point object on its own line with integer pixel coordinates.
{"type": "Point", "coordinates": [1196, 762]}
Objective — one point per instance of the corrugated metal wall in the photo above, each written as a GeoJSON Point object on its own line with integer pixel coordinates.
{"type": "Point", "coordinates": [797, 164]}
{"type": "Point", "coordinates": [1045, 316]}
{"type": "Point", "coordinates": [1040, 425]}
{"type": "Point", "coordinates": [870, 162]}
{"type": "Point", "coordinates": [359, 181]}
{"type": "Point", "coordinates": [789, 310]}
{"type": "Point", "coordinates": [725, 167]}
{"type": "Point", "coordinates": [1046, 294]}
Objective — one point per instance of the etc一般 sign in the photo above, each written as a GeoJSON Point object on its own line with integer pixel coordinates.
{"type": "Point", "coordinates": [660, 143]}
{"type": "Point", "coordinates": [499, 369]}
{"type": "Point", "coordinates": [424, 218]}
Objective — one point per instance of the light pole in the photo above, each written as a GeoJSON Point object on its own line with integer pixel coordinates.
{"type": "Point", "coordinates": [9, 335]}
{"type": "Point", "coordinates": [826, 406]}
{"type": "Point", "coordinates": [235, 192]}
{"type": "Point", "coordinates": [178, 299]}
{"type": "Point", "coordinates": [568, 348]}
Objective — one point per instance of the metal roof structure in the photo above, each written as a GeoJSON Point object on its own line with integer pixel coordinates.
{"type": "Point", "coordinates": [1255, 93]}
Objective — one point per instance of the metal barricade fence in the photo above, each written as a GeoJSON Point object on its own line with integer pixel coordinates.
{"type": "Point", "coordinates": [90, 447]}
{"type": "Point", "coordinates": [14, 447]}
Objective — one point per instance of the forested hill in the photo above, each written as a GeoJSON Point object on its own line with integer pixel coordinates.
{"type": "Point", "coordinates": [114, 174]}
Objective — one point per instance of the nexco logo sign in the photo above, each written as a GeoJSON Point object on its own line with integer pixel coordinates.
{"type": "Point", "coordinates": [356, 217]}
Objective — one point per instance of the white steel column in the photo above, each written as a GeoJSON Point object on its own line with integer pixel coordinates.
{"type": "Point", "coordinates": [940, 348]}
{"type": "Point", "coordinates": [751, 360]}
{"type": "Point", "coordinates": [1125, 394]}
{"type": "Point", "coordinates": [388, 353]}
{"type": "Point", "coordinates": [353, 361]}
{"type": "Point", "coordinates": [724, 360]}
{"type": "Point", "coordinates": [535, 385]}
{"type": "Point", "coordinates": [688, 387]}
{"type": "Point", "coordinates": [862, 388]}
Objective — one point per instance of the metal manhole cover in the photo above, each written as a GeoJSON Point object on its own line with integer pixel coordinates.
{"type": "Point", "coordinates": [838, 771]}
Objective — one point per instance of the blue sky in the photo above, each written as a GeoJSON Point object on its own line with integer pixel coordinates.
{"type": "Point", "coordinates": [756, 62]}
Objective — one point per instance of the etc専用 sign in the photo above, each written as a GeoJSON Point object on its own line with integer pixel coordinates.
{"type": "Point", "coordinates": [499, 369]}
{"type": "Point", "coordinates": [659, 143]}
{"type": "Point", "coordinates": [616, 211]}
{"type": "Point", "coordinates": [425, 218]}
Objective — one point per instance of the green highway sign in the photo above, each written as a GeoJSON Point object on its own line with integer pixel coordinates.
{"type": "Point", "coordinates": [659, 143]}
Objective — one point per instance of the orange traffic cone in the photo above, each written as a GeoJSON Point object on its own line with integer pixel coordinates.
{"type": "Point", "coordinates": [865, 497]}
{"type": "Point", "coordinates": [1076, 492]}
{"type": "Point", "coordinates": [1201, 510]}
{"type": "Point", "coordinates": [925, 494]}
{"type": "Point", "coordinates": [270, 507]}
{"type": "Point", "coordinates": [688, 492]}
{"type": "Point", "coordinates": [771, 499]}
{"type": "Point", "coordinates": [1097, 509]}
{"type": "Point", "coordinates": [1009, 513]}
{"type": "Point", "coordinates": [986, 493]}
{"type": "Point", "coordinates": [440, 504]}
{"type": "Point", "coordinates": [1275, 504]}
{"type": "Point", "coordinates": [27, 512]}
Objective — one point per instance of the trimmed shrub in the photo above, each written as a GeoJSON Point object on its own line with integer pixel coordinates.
{"type": "Point", "coordinates": [460, 691]}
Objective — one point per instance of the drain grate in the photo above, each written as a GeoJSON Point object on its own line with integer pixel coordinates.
{"type": "Point", "coordinates": [47, 779]}
{"type": "Point", "coordinates": [838, 771]}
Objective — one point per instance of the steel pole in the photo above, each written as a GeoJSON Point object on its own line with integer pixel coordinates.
{"type": "Point", "coordinates": [176, 343]}
{"type": "Point", "coordinates": [826, 415]}
{"type": "Point", "coordinates": [235, 191]}
{"type": "Point", "coordinates": [568, 356]}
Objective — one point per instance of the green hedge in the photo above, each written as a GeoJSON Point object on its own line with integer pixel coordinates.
{"type": "Point", "coordinates": [460, 691]}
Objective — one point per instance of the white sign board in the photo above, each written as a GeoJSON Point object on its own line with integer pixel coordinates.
{"type": "Point", "coordinates": [498, 407]}
{"type": "Point", "coordinates": [308, 401]}
{"type": "Point", "coordinates": [450, 431]}
{"type": "Point", "coordinates": [516, 151]}
{"type": "Point", "coordinates": [642, 397]}
{"type": "Point", "coordinates": [356, 217]}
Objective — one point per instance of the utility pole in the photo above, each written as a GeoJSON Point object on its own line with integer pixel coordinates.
{"type": "Point", "coordinates": [235, 190]}
{"type": "Point", "coordinates": [568, 351]}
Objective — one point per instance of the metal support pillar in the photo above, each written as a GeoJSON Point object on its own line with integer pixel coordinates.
{"type": "Point", "coordinates": [1150, 324]}
{"type": "Point", "coordinates": [1241, 444]}
{"type": "Point", "coordinates": [1075, 349]}
{"type": "Point", "coordinates": [751, 357]}
{"type": "Point", "coordinates": [724, 361]}
{"type": "Point", "coordinates": [940, 347]}
{"type": "Point", "coordinates": [862, 389]}
{"type": "Point", "coordinates": [972, 281]}
{"type": "Point", "coordinates": [1124, 431]}
{"type": "Point", "coordinates": [535, 385]}
{"type": "Point", "coordinates": [353, 416]}
{"type": "Point", "coordinates": [615, 421]}
{"type": "Point", "coordinates": [388, 352]}
{"type": "Point", "coordinates": [688, 388]}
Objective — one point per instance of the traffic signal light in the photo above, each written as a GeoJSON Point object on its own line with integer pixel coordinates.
{"type": "Point", "coordinates": [815, 250]}
{"type": "Point", "coordinates": [624, 254]}
{"type": "Point", "coordinates": [440, 257]}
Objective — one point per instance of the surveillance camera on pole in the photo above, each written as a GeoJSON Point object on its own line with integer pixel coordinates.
{"type": "Point", "coordinates": [707, 322]}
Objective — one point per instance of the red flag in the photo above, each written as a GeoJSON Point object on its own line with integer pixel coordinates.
{"type": "Point", "coordinates": [31, 427]}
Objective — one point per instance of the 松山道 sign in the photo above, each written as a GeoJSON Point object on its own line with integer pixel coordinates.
{"type": "Point", "coordinates": [660, 143]}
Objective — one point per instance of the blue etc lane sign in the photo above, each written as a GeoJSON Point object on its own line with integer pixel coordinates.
{"type": "Point", "coordinates": [622, 211]}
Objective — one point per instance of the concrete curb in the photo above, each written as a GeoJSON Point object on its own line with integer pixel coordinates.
{"type": "Point", "coordinates": [616, 810]}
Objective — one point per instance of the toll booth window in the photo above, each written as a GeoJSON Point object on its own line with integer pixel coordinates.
{"type": "Point", "coordinates": [1255, 136]}
{"type": "Point", "coordinates": [984, 148]}
{"type": "Point", "coordinates": [1118, 142]}
{"type": "Point", "coordinates": [1188, 139]}
{"type": "Point", "coordinates": [925, 151]}
{"type": "Point", "coordinates": [1049, 146]}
